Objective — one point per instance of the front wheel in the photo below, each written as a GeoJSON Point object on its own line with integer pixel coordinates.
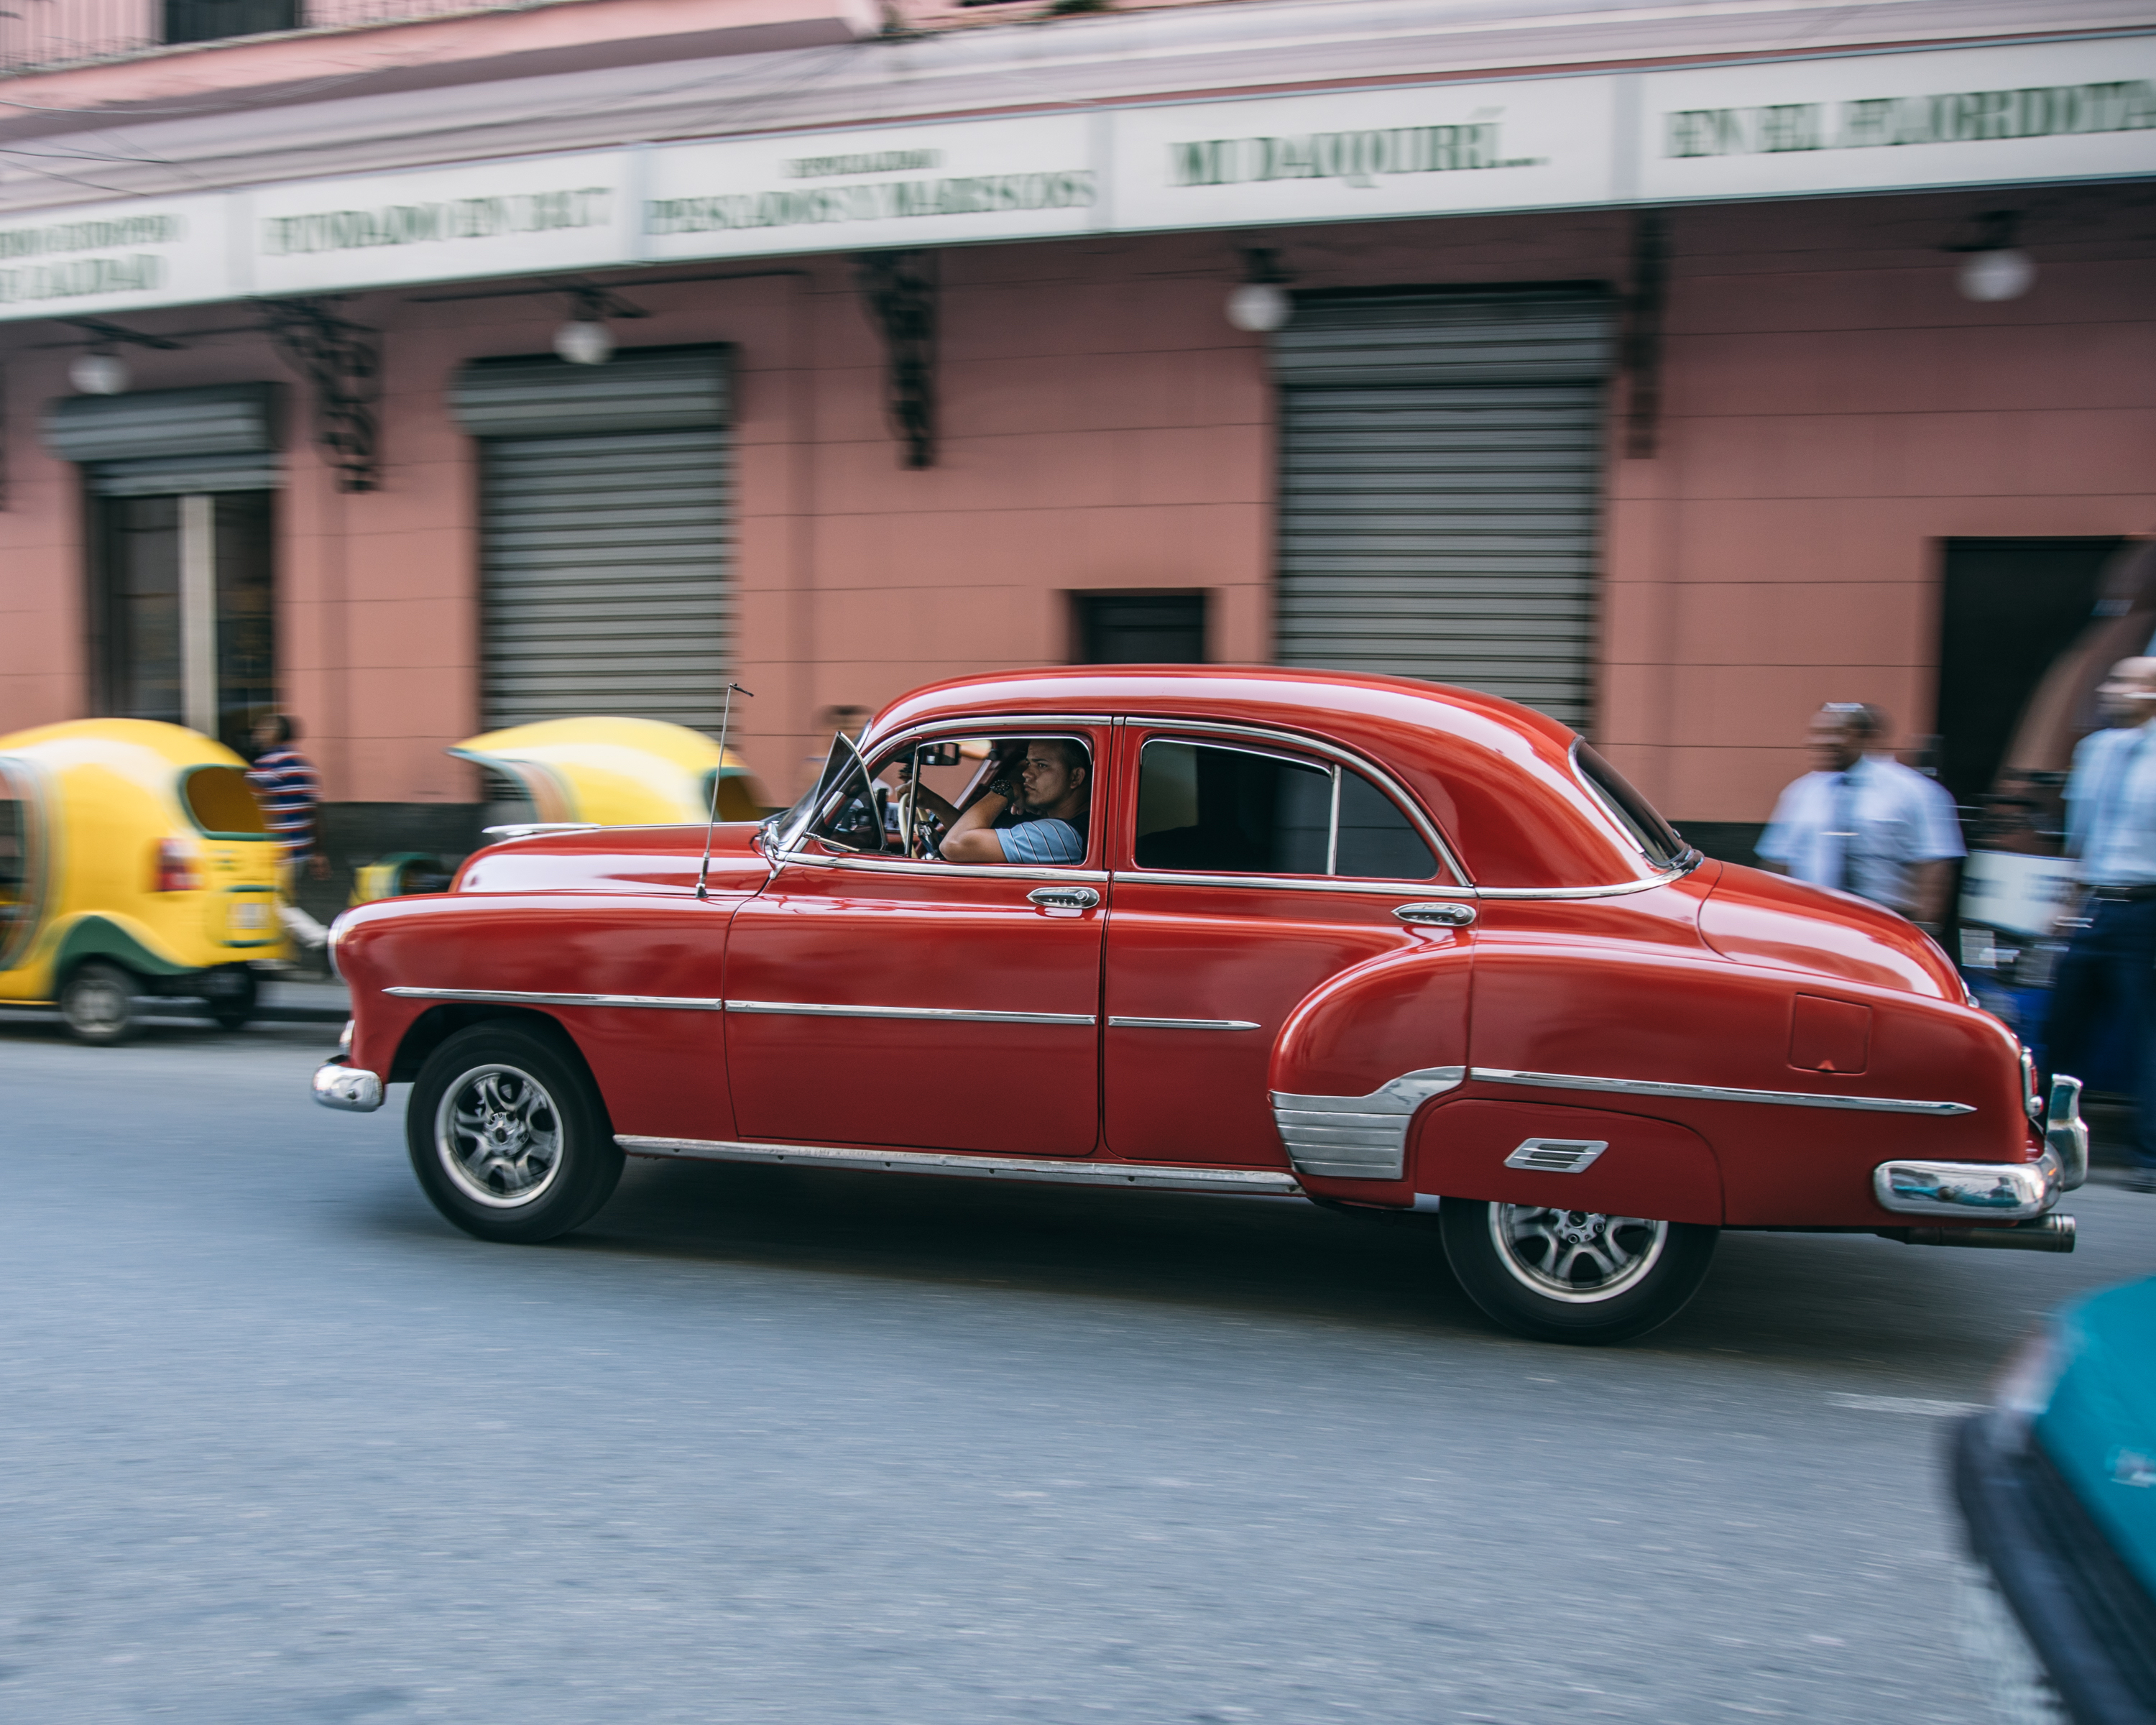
{"type": "Point", "coordinates": [509, 1135]}
{"type": "Point", "coordinates": [97, 1004]}
{"type": "Point", "coordinates": [1574, 1276]}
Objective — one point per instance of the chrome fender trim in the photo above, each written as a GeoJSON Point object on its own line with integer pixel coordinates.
{"type": "Point", "coordinates": [1359, 1138]}
{"type": "Point", "coordinates": [1716, 1093]}
{"type": "Point", "coordinates": [1153, 1175]}
{"type": "Point", "coordinates": [351, 1088]}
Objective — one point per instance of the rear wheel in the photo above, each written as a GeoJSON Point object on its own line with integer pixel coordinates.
{"type": "Point", "coordinates": [1574, 1276]}
{"type": "Point", "coordinates": [509, 1135]}
{"type": "Point", "coordinates": [97, 1004]}
{"type": "Point", "coordinates": [230, 991]}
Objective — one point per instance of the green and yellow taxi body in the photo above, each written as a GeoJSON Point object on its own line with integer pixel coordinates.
{"type": "Point", "coordinates": [617, 773]}
{"type": "Point", "coordinates": [132, 846]}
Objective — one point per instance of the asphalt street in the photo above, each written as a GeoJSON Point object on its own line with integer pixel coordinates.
{"type": "Point", "coordinates": [759, 1444]}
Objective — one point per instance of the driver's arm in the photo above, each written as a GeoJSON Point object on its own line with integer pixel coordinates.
{"type": "Point", "coordinates": [972, 838]}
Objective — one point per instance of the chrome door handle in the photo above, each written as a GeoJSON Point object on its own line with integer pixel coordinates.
{"type": "Point", "coordinates": [1065, 898]}
{"type": "Point", "coordinates": [1443, 915]}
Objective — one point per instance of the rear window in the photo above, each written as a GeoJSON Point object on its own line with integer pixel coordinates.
{"type": "Point", "coordinates": [221, 801]}
{"type": "Point", "coordinates": [1639, 817]}
{"type": "Point", "coordinates": [1211, 808]}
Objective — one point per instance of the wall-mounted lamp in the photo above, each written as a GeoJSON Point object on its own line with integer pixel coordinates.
{"type": "Point", "coordinates": [1996, 267]}
{"type": "Point", "coordinates": [99, 371]}
{"type": "Point", "coordinates": [1258, 303]}
{"type": "Point", "coordinates": [585, 340]}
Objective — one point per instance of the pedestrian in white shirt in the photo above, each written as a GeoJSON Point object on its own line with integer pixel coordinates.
{"type": "Point", "coordinates": [2109, 970]}
{"type": "Point", "coordinates": [1863, 821]}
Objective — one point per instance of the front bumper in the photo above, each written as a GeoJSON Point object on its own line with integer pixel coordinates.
{"type": "Point", "coordinates": [340, 1085]}
{"type": "Point", "coordinates": [1995, 1191]}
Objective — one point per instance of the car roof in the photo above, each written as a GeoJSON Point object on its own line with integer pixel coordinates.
{"type": "Point", "coordinates": [1497, 778]}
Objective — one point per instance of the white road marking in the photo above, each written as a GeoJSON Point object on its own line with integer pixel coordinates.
{"type": "Point", "coordinates": [1905, 1405]}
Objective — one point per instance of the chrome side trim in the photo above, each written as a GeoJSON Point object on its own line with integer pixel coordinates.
{"type": "Point", "coordinates": [866, 862]}
{"type": "Point", "coordinates": [1184, 1024]}
{"type": "Point", "coordinates": [527, 996]}
{"type": "Point", "coordinates": [1358, 1137]}
{"type": "Point", "coordinates": [1717, 1093]}
{"type": "Point", "coordinates": [535, 829]}
{"type": "Point", "coordinates": [1619, 890]}
{"type": "Point", "coordinates": [1975, 1191]}
{"type": "Point", "coordinates": [1294, 883]}
{"type": "Point", "coordinates": [351, 1088]}
{"type": "Point", "coordinates": [1155, 1176]}
{"type": "Point", "coordinates": [814, 1009]}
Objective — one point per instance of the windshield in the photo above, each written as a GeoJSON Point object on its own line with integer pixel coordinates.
{"type": "Point", "coordinates": [1664, 847]}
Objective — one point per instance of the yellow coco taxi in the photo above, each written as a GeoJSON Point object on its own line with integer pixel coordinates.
{"type": "Point", "coordinates": [593, 771]}
{"type": "Point", "coordinates": [133, 860]}
{"type": "Point", "coordinates": [616, 772]}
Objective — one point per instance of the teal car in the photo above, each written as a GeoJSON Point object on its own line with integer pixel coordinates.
{"type": "Point", "coordinates": [2057, 1485]}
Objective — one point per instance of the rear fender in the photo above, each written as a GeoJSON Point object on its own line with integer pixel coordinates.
{"type": "Point", "coordinates": [1644, 1166]}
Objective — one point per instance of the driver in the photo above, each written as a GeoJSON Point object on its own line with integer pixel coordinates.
{"type": "Point", "coordinates": [1052, 797]}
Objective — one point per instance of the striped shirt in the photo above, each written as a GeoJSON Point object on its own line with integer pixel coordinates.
{"type": "Point", "coordinates": [287, 790]}
{"type": "Point", "coordinates": [1041, 841]}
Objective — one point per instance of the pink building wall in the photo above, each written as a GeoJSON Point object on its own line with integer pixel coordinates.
{"type": "Point", "coordinates": [1833, 410]}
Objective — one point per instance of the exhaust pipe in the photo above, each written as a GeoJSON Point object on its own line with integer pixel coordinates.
{"type": "Point", "coordinates": [2044, 1234]}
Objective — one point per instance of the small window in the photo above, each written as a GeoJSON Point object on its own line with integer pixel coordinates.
{"type": "Point", "coordinates": [1209, 809]}
{"type": "Point", "coordinates": [1140, 628]}
{"type": "Point", "coordinates": [221, 803]}
{"type": "Point", "coordinates": [1639, 817]}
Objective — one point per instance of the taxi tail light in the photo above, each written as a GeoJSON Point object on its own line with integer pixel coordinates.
{"type": "Point", "coordinates": [175, 871]}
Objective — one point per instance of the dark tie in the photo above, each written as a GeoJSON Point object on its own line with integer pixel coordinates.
{"type": "Point", "coordinates": [1841, 829]}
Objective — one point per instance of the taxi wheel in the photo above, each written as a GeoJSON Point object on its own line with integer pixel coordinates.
{"type": "Point", "coordinates": [97, 1004]}
{"type": "Point", "coordinates": [230, 992]}
{"type": "Point", "coordinates": [509, 1135]}
{"type": "Point", "coordinates": [1574, 1276]}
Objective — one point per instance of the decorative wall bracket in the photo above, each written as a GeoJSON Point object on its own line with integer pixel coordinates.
{"type": "Point", "coordinates": [343, 361]}
{"type": "Point", "coordinates": [1642, 355]}
{"type": "Point", "coordinates": [899, 289]}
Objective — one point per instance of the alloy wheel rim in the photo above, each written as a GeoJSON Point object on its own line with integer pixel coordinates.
{"type": "Point", "coordinates": [1577, 1256]}
{"type": "Point", "coordinates": [498, 1136]}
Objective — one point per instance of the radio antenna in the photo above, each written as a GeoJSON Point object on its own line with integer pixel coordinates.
{"type": "Point", "coordinates": [718, 778]}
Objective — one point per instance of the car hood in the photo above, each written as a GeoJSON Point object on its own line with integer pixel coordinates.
{"type": "Point", "coordinates": [1755, 917]}
{"type": "Point", "coordinates": [2100, 1427]}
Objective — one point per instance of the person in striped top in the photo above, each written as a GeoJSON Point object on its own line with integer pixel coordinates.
{"type": "Point", "coordinates": [286, 785]}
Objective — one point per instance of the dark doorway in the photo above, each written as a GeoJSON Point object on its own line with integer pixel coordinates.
{"type": "Point", "coordinates": [213, 20]}
{"type": "Point", "coordinates": [199, 648]}
{"type": "Point", "coordinates": [2010, 607]}
{"type": "Point", "coordinates": [1140, 628]}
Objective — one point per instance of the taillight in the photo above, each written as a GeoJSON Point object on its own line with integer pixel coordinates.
{"type": "Point", "coordinates": [175, 871]}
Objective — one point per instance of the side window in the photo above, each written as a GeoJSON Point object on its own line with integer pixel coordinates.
{"type": "Point", "coordinates": [1214, 808]}
{"type": "Point", "coordinates": [1376, 840]}
{"type": "Point", "coordinates": [18, 911]}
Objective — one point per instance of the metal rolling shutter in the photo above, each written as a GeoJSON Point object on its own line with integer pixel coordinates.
{"type": "Point", "coordinates": [605, 536]}
{"type": "Point", "coordinates": [1440, 470]}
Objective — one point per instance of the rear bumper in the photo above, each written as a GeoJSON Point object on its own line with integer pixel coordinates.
{"type": "Point", "coordinates": [353, 1088]}
{"type": "Point", "coordinates": [1995, 1191]}
{"type": "Point", "coordinates": [1968, 1191]}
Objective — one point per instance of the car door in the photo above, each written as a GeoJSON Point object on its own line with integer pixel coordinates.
{"type": "Point", "coordinates": [1251, 867]}
{"type": "Point", "coordinates": [877, 997]}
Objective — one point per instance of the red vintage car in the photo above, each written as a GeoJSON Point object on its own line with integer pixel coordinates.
{"type": "Point", "coordinates": [1386, 946]}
